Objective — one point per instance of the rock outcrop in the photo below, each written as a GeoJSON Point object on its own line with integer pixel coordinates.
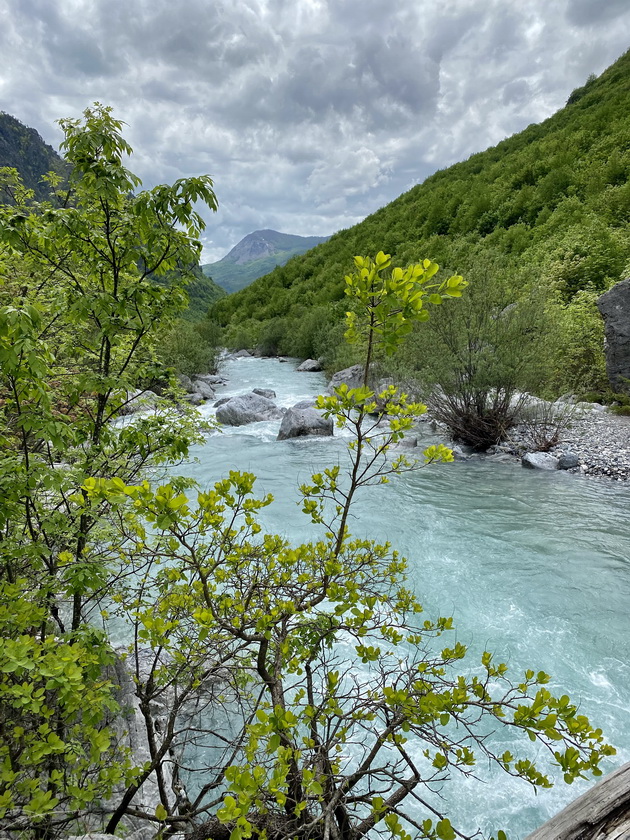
{"type": "Point", "coordinates": [352, 377]}
{"type": "Point", "coordinates": [602, 813]}
{"type": "Point", "coordinates": [202, 388]}
{"type": "Point", "coordinates": [139, 401]}
{"type": "Point", "coordinates": [614, 306]}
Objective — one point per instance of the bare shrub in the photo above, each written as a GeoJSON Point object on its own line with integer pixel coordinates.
{"type": "Point", "coordinates": [543, 423]}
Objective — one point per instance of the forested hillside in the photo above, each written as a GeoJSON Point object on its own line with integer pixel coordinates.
{"type": "Point", "coordinates": [542, 217]}
{"type": "Point", "coordinates": [23, 149]}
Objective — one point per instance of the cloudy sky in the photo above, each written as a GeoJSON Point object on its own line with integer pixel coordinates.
{"type": "Point", "coordinates": [309, 114]}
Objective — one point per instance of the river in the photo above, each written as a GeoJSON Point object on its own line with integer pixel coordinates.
{"type": "Point", "coordinates": [534, 566]}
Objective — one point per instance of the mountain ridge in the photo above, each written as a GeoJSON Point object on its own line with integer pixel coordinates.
{"type": "Point", "coordinates": [257, 254]}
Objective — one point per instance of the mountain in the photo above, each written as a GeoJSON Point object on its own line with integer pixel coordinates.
{"type": "Point", "coordinates": [258, 254]}
{"type": "Point", "coordinates": [545, 212]}
{"type": "Point", "coordinates": [23, 149]}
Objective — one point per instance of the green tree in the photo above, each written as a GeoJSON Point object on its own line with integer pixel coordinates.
{"type": "Point", "coordinates": [78, 320]}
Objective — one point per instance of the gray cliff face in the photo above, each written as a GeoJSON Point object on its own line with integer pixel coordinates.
{"type": "Point", "coordinates": [614, 306]}
{"type": "Point", "coordinates": [254, 246]}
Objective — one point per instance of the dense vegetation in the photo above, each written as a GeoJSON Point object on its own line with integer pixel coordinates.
{"type": "Point", "coordinates": [231, 632]}
{"type": "Point", "coordinates": [541, 219]}
{"type": "Point", "coordinates": [237, 269]}
{"type": "Point", "coordinates": [23, 149]}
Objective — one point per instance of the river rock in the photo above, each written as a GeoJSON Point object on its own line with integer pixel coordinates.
{"type": "Point", "coordinates": [303, 422]}
{"type": "Point", "coordinates": [211, 378]}
{"type": "Point", "coordinates": [310, 366]}
{"type": "Point", "coordinates": [222, 401]}
{"type": "Point", "coordinates": [265, 392]}
{"type": "Point", "coordinates": [203, 389]}
{"type": "Point", "coordinates": [459, 452]}
{"type": "Point", "coordinates": [568, 461]}
{"type": "Point", "coordinates": [352, 377]}
{"type": "Point", "coordinates": [241, 354]}
{"type": "Point", "coordinates": [540, 461]}
{"type": "Point", "coordinates": [195, 398]}
{"type": "Point", "coordinates": [139, 401]}
{"type": "Point", "coordinates": [185, 382]}
{"type": "Point", "coordinates": [614, 306]}
{"type": "Point", "coordinates": [247, 408]}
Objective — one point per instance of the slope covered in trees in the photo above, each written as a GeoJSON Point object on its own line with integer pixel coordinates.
{"type": "Point", "coordinates": [23, 149]}
{"type": "Point", "coordinates": [542, 216]}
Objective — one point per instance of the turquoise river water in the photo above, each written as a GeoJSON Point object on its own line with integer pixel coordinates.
{"type": "Point", "coordinates": [534, 566]}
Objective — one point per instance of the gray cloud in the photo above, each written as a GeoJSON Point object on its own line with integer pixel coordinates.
{"type": "Point", "coordinates": [309, 114]}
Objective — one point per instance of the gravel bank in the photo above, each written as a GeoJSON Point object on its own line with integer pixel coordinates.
{"type": "Point", "coordinates": [601, 441]}
{"type": "Point", "coordinates": [598, 439]}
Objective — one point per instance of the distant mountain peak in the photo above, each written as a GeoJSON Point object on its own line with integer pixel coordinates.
{"type": "Point", "coordinates": [255, 245]}
{"type": "Point", "coordinates": [257, 254]}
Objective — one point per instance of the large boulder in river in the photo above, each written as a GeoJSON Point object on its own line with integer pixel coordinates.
{"type": "Point", "coordinates": [185, 382]}
{"type": "Point", "coordinates": [304, 420]}
{"type": "Point", "coordinates": [247, 408]}
{"type": "Point", "coordinates": [352, 377]}
{"type": "Point", "coordinates": [614, 306]}
{"type": "Point", "coordinates": [202, 388]}
{"type": "Point", "coordinates": [139, 401]}
{"type": "Point", "coordinates": [310, 366]}
{"type": "Point", "coordinates": [265, 392]}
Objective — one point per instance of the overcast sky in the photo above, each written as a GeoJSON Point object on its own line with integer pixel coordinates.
{"type": "Point", "coordinates": [308, 114]}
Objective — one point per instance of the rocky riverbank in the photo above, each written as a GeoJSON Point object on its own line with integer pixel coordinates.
{"type": "Point", "coordinates": [601, 441]}
{"type": "Point", "coordinates": [595, 444]}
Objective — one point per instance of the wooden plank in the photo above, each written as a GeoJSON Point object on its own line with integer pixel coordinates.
{"type": "Point", "coordinates": [602, 813]}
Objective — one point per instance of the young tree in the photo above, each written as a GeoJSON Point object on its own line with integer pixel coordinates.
{"type": "Point", "coordinates": [80, 309]}
{"type": "Point", "coordinates": [325, 706]}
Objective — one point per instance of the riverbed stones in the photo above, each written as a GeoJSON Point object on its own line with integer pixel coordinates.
{"type": "Point", "coordinates": [247, 408]}
{"type": "Point", "coordinates": [139, 401]}
{"type": "Point", "coordinates": [352, 377]}
{"type": "Point", "coordinates": [212, 379]}
{"type": "Point", "coordinates": [203, 389]}
{"type": "Point", "coordinates": [309, 366]}
{"type": "Point", "coordinates": [540, 461]}
{"type": "Point", "coordinates": [568, 461]}
{"type": "Point", "coordinates": [265, 392]}
{"type": "Point", "coordinates": [185, 382]}
{"type": "Point", "coordinates": [304, 421]}
{"type": "Point", "coordinates": [614, 306]}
